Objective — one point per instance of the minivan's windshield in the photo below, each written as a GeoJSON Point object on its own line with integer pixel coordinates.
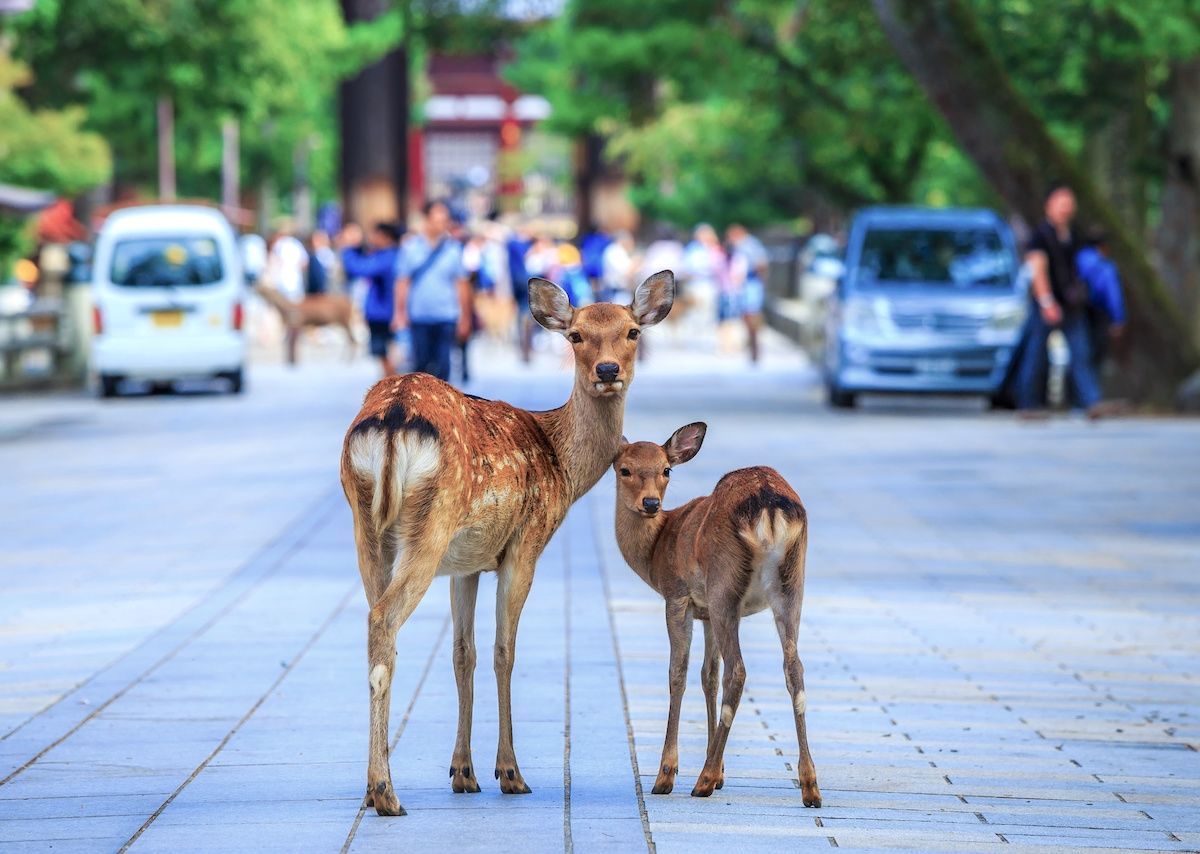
{"type": "Point", "coordinates": [166, 261]}
{"type": "Point", "coordinates": [959, 257]}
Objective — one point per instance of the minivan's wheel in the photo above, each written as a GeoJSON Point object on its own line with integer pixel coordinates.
{"type": "Point", "coordinates": [839, 398]}
{"type": "Point", "coordinates": [109, 384]}
{"type": "Point", "coordinates": [236, 380]}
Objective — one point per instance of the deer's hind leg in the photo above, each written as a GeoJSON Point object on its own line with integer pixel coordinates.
{"type": "Point", "coordinates": [423, 545]}
{"type": "Point", "coordinates": [787, 596]}
{"type": "Point", "coordinates": [463, 592]}
{"type": "Point", "coordinates": [710, 676]}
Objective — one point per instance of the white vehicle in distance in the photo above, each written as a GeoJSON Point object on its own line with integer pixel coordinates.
{"type": "Point", "coordinates": [168, 290]}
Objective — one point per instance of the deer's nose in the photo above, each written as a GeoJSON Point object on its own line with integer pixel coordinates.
{"type": "Point", "coordinates": [607, 371]}
{"type": "Point", "coordinates": [651, 505]}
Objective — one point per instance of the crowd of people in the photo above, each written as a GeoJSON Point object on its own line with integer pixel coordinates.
{"type": "Point", "coordinates": [424, 293]}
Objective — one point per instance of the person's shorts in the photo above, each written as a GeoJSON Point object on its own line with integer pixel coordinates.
{"type": "Point", "coordinates": [754, 296]}
{"type": "Point", "coordinates": [381, 336]}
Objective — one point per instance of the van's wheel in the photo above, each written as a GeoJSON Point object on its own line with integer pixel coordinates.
{"type": "Point", "coordinates": [236, 381]}
{"type": "Point", "coordinates": [839, 398]}
{"type": "Point", "coordinates": [109, 385]}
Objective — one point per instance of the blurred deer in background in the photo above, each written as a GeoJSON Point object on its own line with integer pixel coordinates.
{"type": "Point", "coordinates": [441, 483]}
{"type": "Point", "coordinates": [311, 311]}
{"type": "Point", "coordinates": [716, 559]}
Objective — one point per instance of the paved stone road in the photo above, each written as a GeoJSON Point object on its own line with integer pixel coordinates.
{"type": "Point", "coordinates": [1000, 634]}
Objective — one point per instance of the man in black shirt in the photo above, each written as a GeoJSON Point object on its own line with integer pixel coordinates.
{"type": "Point", "coordinates": [1060, 301]}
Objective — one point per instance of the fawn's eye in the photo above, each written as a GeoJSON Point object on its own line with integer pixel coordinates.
{"type": "Point", "coordinates": [624, 472]}
{"type": "Point", "coordinates": [634, 333]}
{"type": "Point", "coordinates": [575, 338]}
{"type": "Point", "coordinates": [666, 472]}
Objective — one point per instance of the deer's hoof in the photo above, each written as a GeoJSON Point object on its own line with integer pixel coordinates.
{"type": "Point", "coordinates": [511, 781]}
{"type": "Point", "coordinates": [811, 794]}
{"type": "Point", "coordinates": [462, 779]}
{"type": "Point", "coordinates": [665, 782]}
{"type": "Point", "coordinates": [705, 784]}
{"type": "Point", "coordinates": [383, 798]}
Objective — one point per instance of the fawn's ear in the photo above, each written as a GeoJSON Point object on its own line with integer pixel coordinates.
{"type": "Point", "coordinates": [550, 305]}
{"type": "Point", "coordinates": [621, 446]}
{"type": "Point", "coordinates": [654, 297]}
{"type": "Point", "coordinates": [685, 443]}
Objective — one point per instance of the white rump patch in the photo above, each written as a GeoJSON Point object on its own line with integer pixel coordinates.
{"type": "Point", "coordinates": [417, 457]}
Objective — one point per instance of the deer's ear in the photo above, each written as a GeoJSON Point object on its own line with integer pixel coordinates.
{"type": "Point", "coordinates": [550, 305]}
{"type": "Point", "coordinates": [685, 443]}
{"type": "Point", "coordinates": [654, 297]}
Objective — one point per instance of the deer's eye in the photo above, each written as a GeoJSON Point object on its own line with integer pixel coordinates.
{"type": "Point", "coordinates": [666, 472]}
{"type": "Point", "coordinates": [575, 338]}
{"type": "Point", "coordinates": [624, 472]}
{"type": "Point", "coordinates": [634, 333]}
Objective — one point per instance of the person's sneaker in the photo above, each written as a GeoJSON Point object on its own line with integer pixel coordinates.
{"type": "Point", "coordinates": [1107, 409]}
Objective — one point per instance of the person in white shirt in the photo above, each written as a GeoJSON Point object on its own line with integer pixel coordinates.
{"type": "Point", "coordinates": [287, 265]}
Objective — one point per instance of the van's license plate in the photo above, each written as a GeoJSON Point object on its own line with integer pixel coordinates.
{"type": "Point", "coordinates": [167, 319]}
{"type": "Point", "coordinates": [936, 367]}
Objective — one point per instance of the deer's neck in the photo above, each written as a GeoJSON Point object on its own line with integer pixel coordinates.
{"type": "Point", "coordinates": [637, 536]}
{"type": "Point", "coordinates": [585, 432]}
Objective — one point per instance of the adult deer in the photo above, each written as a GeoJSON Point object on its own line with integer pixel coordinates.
{"type": "Point", "coordinates": [441, 483]}
{"type": "Point", "coordinates": [717, 559]}
{"type": "Point", "coordinates": [313, 310]}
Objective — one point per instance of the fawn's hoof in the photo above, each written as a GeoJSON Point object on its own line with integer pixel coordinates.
{"type": "Point", "coordinates": [462, 779]}
{"type": "Point", "coordinates": [705, 784]}
{"type": "Point", "coordinates": [511, 781]}
{"type": "Point", "coordinates": [665, 782]}
{"type": "Point", "coordinates": [383, 798]}
{"type": "Point", "coordinates": [811, 794]}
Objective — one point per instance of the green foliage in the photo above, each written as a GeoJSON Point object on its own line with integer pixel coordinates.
{"type": "Point", "coordinates": [271, 64]}
{"type": "Point", "coordinates": [41, 149]}
{"type": "Point", "coordinates": [743, 110]}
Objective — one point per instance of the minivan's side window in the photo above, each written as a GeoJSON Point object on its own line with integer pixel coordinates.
{"type": "Point", "coordinates": [166, 261]}
{"type": "Point", "coordinates": [954, 256]}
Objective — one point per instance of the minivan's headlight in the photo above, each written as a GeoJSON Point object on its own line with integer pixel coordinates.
{"type": "Point", "coordinates": [1007, 316]}
{"type": "Point", "coordinates": [861, 315]}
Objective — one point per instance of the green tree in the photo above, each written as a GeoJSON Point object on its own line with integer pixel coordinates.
{"type": "Point", "coordinates": [42, 149]}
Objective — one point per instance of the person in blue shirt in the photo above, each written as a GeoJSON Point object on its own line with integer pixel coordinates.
{"type": "Point", "coordinates": [517, 247]}
{"type": "Point", "coordinates": [1106, 305]}
{"type": "Point", "coordinates": [376, 262]}
{"type": "Point", "coordinates": [433, 297]}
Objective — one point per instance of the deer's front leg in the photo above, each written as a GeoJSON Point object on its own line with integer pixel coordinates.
{"type": "Point", "coordinates": [512, 588]}
{"type": "Point", "coordinates": [463, 591]}
{"type": "Point", "coordinates": [679, 631]}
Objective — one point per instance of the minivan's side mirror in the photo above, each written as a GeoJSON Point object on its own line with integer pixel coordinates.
{"type": "Point", "coordinates": [253, 250]}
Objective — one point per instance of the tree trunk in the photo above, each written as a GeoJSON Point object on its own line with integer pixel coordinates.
{"type": "Point", "coordinates": [1179, 232]}
{"type": "Point", "coordinates": [373, 109]}
{"type": "Point", "coordinates": [941, 44]}
{"type": "Point", "coordinates": [166, 148]}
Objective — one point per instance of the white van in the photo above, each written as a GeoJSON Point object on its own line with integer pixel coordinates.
{"type": "Point", "coordinates": [168, 292]}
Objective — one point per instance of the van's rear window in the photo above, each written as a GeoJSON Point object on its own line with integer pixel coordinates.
{"type": "Point", "coordinates": [166, 261]}
{"type": "Point", "coordinates": [934, 256]}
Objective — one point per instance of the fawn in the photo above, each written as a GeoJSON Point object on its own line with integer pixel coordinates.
{"type": "Point", "coordinates": [716, 559]}
{"type": "Point", "coordinates": [442, 483]}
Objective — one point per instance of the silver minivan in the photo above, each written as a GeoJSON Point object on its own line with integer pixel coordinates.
{"type": "Point", "coordinates": [930, 301]}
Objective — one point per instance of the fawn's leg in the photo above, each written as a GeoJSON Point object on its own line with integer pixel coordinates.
{"type": "Point", "coordinates": [710, 673]}
{"type": "Point", "coordinates": [512, 588]}
{"type": "Point", "coordinates": [463, 590]}
{"type": "Point", "coordinates": [785, 604]}
{"type": "Point", "coordinates": [411, 578]}
{"type": "Point", "coordinates": [679, 631]}
{"type": "Point", "coordinates": [724, 616]}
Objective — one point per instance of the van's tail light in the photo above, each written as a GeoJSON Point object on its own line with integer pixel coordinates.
{"type": "Point", "coordinates": [97, 321]}
{"type": "Point", "coordinates": [238, 316]}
